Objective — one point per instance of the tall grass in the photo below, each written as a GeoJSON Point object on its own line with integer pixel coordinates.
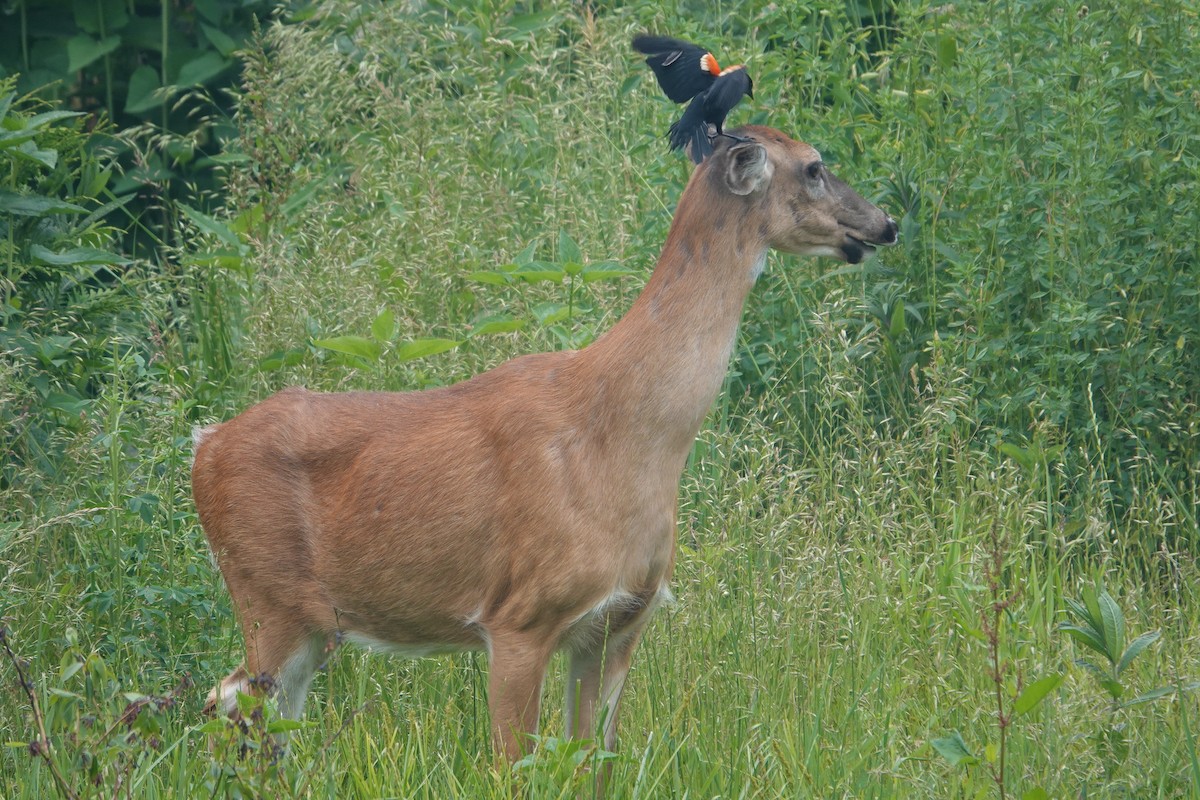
{"type": "Point", "coordinates": [838, 510]}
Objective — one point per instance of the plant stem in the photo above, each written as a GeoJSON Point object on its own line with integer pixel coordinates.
{"type": "Point", "coordinates": [43, 743]}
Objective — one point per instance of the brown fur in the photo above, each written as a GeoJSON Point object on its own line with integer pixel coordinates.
{"type": "Point", "coordinates": [529, 509]}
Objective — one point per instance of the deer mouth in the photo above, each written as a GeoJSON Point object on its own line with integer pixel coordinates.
{"type": "Point", "coordinates": [856, 250]}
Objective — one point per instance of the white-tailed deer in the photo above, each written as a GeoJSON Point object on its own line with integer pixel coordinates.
{"type": "Point", "coordinates": [529, 509]}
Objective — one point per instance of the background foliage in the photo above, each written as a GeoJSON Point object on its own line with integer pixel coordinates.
{"type": "Point", "coordinates": [997, 413]}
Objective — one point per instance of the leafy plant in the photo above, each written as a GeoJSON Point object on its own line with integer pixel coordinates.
{"type": "Point", "coordinates": [65, 295]}
{"type": "Point", "coordinates": [89, 731]}
{"type": "Point", "coordinates": [1012, 698]}
{"type": "Point", "coordinates": [562, 317]}
{"type": "Point", "coordinates": [1099, 625]}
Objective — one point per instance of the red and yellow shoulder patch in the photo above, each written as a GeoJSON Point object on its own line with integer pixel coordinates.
{"type": "Point", "coordinates": [708, 63]}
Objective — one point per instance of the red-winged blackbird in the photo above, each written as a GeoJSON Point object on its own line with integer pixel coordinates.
{"type": "Point", "coordinates": [688, 72]}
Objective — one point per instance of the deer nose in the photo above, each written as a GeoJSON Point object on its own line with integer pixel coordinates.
{"type": "Point", "coordinates": [891, 232]}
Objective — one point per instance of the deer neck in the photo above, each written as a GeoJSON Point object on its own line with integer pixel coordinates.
{"type": "Point", "coordinates": [660, 368]}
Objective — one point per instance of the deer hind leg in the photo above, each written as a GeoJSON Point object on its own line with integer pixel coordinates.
{"type": "Point", "coordinates": [596, 674]}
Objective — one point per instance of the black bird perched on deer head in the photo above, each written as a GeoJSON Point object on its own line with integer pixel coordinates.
{"type": "Point", "coordinates": [688, 72]}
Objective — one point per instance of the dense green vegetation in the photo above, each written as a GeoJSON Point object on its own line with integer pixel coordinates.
{"type": "Point", "coordinates": [920, 469]}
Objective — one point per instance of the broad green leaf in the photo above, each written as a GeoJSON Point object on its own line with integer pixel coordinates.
{"type": "Point", "coordinates": [143, 92]}
{"type": "Point", "coordinates": [70, 670]}
{"type": "Point", "coordinates": [214, 725]}
{"type": "Point", "coordinates": [383, 328]}
{"type": "Point", "coordinates": [210, 226]}
{"type": "Point", "coordinates": [284, 725]}
{"type": "Point", "coordinates": [32, 205]}
{"type": "Point", "coordinates": [1035, 693]}
{"type": "Point", "coordinates": [76, 255]}
{"type": "Point", "coordinates": [1136, 647]}
{"type": "Point", "coordinates": [1018, 454]}
{"type": "Point", "coordinates": [1146, 697]}
{"type": "Point", "coordinates": [497, 324]}
{"type": "Point", "coordinates": [540, 271]}
{"type": "Point", "coordinates": [1114, 689]}
{"type": "Point", "coordinates": [605, 271]}
{"type": "Point", "coordinates": [96, 16]}
{"type": "Point", "coordinates": [947, 50]}
{"type": "Point", "coordinates": [219, 39]}
{"type": "Point", "coordinates": [954, 749]}
{"type": "Point", "coordinates": [30, 151]}
{"type": "Point", "coordinates": [1114, 625]}
{"type": "Point", "coordinates": [352, 346]}
{"type": "Point", "coordinates": [46, 117]}
{"type": "Point", "coordinates": [1036, 793]}
{"type": "Point", "coordinates": [281, 358]}
{"type": "Point", "coordinates": [494, 278]}
{"type": "Point", "coordinates": [420, 348]}
{"type": "Point", "coordinates": [550, 313]}
{"type": "Point", "coordinates": [526, 256]}
{"type": "Point", "coordinates": [201, 69]}
{"type": "Point", "coordinates": [83, 50]}
{"type": "Point", "coordinates": [1085, 636]}
{"type": "Point", "coordinates": [302, 196]}
{"type": "Point", "coordinates": [896, 325]}
{"type": "Point", "coordinates": [568, 250]}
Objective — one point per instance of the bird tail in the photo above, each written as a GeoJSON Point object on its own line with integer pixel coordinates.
{"type": "Point", "coordinates": [690, 132]}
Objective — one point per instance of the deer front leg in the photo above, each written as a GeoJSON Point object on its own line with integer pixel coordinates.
{"type": "Point", "coordinates": [515, 675]}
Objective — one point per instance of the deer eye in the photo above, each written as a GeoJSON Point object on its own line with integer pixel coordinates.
{"type": "Point", "coordinates": [814, 170]}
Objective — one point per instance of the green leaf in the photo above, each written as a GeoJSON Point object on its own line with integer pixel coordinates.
{"type": "Point", "coordinates": [214, 725]}
{"type": "Point", "coordinates": [605, 271]}
{"type": "Point", "coordinates": [143, 92]}
{"type": "Point", "coordinates": [954, 749]}
{"type": "Point", "coordinates": [1085, 636]}
{"type": "Point", "coordinates": [1019, 454]}
{"type": "Point", "coordinates": [1035, 693]}
{"type": "Point", "coordinates": [896, 325]}
{"type": "Point", "coordinates": [76, 255]}
{"type": "Point", "coordinates": [1114, 625]}
{"type": "Point", "coordinates": [420, 348]}
{"type": "Point", "coordinates": [1036, 793]}
{"type": "Point", "coordinates": [568, 250]}
{"type": "Point", "coordinates": [219, 39]}
{"type": "Point", "coordinates": [493, 278]}
{"type": "Point", "coordinates": [1135, 648]}
{"type": "Point", "coordinates": [540, 271]}
{"type": "Point", "coordinates": [383, 328]}
{"type": "Point", "coordinates": [1146, 697]}
{"type": "Point", "coordinates": [29, 151]}
{"type": "Point", "coordinates": [500, 323]}
{"type": "Point", "coordinates": [70, 670]}
{"type": "Point", "coordinates": [1114, 689]}
{"type": "Point", "coordinates": [201, 69]}
{"type": "Point", "coordinates": [947, 50]}
{"type": "Point", "coordinates": [83, 50]}
{"type": "Point", "coordinates": [352, 346]}
{"type": "Point", "coordinates": [281, 358]}
{"type": "Point", "coordinates": [32, 205]}
{"type": "Point", "coordinates": [550, 313]}
{"type": "Point", "coordinates": [284, 725]}
{"type": "Point", "coordinates": [211, 226]}
{"type": "Point", "coordinates": [302, 196]}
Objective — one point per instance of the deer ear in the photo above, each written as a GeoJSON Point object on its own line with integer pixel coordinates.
{"type": "Point", "coordinates": [747, 167]}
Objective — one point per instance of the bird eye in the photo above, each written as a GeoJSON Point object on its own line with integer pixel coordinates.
{"type": "Point", "coordinates": [814, 170]}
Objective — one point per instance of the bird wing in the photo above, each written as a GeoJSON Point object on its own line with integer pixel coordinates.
{"type": "Point", "coordinates": [726, 92]}
{"type": "Point", "coordinates": [681, 67]}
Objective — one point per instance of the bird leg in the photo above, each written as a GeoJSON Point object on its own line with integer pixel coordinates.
{"type": "Point", "coordinates": [738, 139]}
